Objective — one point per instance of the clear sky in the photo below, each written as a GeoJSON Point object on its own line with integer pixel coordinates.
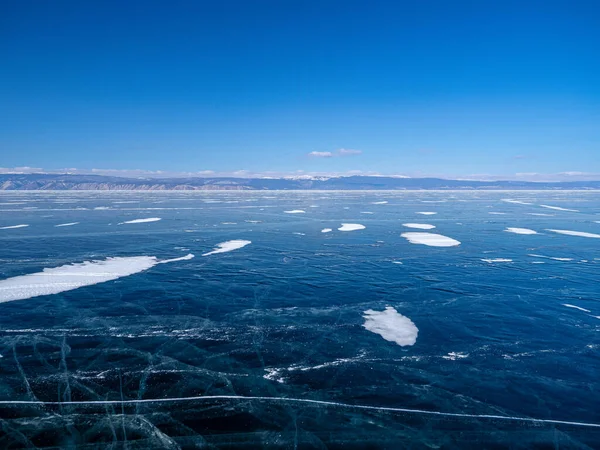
{"type": "Point", "coordinates": [413, 87]}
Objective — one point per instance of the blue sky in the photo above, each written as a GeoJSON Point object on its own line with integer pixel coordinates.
{"type": "Point", "coordinates": [428, 87]}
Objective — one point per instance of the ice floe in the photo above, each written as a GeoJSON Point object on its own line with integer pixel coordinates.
{"type": "Point", "coordinates": [576, 233]}
{"type": "Point", "coordinates": [149, 219]}
{"type": "Point", "coordinates": [576, 307]}
{"type": "Point", "coordinates": [351, 227]}
{"type": "Point", "coordinates": [326, 230]}
{"type": "Point", "coordinates": [427, 213]}
{"type": "Point", "coordinates": [420, 226]}
{"type": "Point", "coordinates": [558, 208]}
{"type": "Point", "coordinates": [495, 260]}
{"type": "Point", "coordinates": [520, 230]}
{"type": "Point", "coordinates": [73, 276]}
{"type": "Point", "coordinates": [295, 211]}
{"type": "Point", "coordinates": [10, 227]}
{"type": "Point", "coordinates": [70, 224]}
{"type": "Point", "coordinates": [383, 202]}
{"type": "Point", "coordinates": [228, 246]}
{"type": "Point", "coordinates": [430, 239]}
{"type": "Point", "coordinates": [391, 325]}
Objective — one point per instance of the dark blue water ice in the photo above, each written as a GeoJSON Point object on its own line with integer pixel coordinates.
{"type": "Point", "coordinates": [265, 345]}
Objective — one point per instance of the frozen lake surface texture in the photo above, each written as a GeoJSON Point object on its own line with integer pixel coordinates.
{"type": "Point", "coordinates": [281, 319]}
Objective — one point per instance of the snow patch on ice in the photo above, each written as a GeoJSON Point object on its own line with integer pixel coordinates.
{"type": "Point", "coordinates": [430, 239]}
{"type": "Point", "coordinates": [70, 224]}
{"type": "Point", "coordinates": [228, 246]}
{"type": "Point", "coordinates": [73, 276]}
{"type": "Point", "coordinates": [391, 326]}
{"type": "Point", "coordinates": [427, 213]}
{"type": "Point", "coordinates": [420, 226]}
{"type": "Point", "coordinates": [576, 233]}
{"type": "Point", "coordinates": [383, 202]}
{"type": "Point", "coordinates": [326, 230]}
{"type": "Point", "coordinates": [351, 227]}
{"type": "Point", "coordinates": [495, 260]}
{"type": "Point", "coordinates": [520, 230]}
{"type": "Point", "coordinates": [576, 307]}
{"type": "Point", "coordinates": [14, 226]}
{"type": "Point", "coordinates": [518, 202]}
{"type": "Point", "coordinates": [149, 219]}
{"type": "Point", "coordinates": [295, 211]}
{"type": "Point", "coordinates": [558, 208]}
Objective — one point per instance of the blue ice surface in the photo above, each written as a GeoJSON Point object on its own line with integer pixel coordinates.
{"type": "Point", "coordinates": [281, 321]}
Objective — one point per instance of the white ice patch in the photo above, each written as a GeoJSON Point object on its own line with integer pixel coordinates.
{"type": "Point", "coordinates": [100, 208]}
{"type": "Point", "coordinates": [495, 260]}
{"type": "Point", "coordinates": [14, 226]}
{"type": "Point", "coordinates": [295, 211]}
{"type": "Point", "coordinates": [326, 230]}
{"type": "Point", "coordinates": [576, 307]}
{"type": "Point", "coordinates": [73, 276]}
{"type": "Point", "coordinates": [351, 227]}
{"type": "Point", "coordinates": [366, 212]}
{"type": "Point", "coordinates": [228, 246]}
{"type": "Point", "coordinates": [420, 226]}
{"type": "Point", "coordinates": [576, 233]}
{"type": "Point", "coordinates": [380, 203]}
{"type": "Point", "coordinates": [427, 213]}
{"type": "Point", "coordinates": [496, 213]}
{"type": "Point", "coordinates": [391, 326]}
{"type": "Point", "coordinates": [430, 239]}
{"type": "Point", "coordinates": [558, 208]}
{"type": "Point", "coordinates": [541, 214]}
{"type": "Point", "coordinates": [520, 230]}
{"type": "Point", "coordinates": [70, 224]}
{"type": "Point", "coordinates": [149, 219]}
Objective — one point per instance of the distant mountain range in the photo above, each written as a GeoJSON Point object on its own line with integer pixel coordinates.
{"type": "Point", "coordinates": [69, 182]}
